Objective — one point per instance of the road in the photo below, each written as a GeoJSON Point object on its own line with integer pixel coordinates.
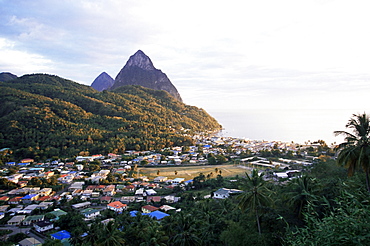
{"type": "Point", "coordinates": [25, 230]}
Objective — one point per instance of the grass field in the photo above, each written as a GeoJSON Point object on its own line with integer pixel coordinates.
{"type": "Point", "coordinates": [189, 172]}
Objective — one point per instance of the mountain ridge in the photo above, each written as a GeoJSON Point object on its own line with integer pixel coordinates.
{"type": "Point", "coordinates": [45, 115]}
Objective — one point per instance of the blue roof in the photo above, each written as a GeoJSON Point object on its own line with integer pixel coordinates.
{"type": "Point", "coordinates": [158, 215]}
{"type": "Point", "coordinates": [188, 181]}
{"type": "Point", "coordinates": [61, 235]}
{"type": "Point", "coordinates": [10, 163]}
{"type": "Point", "coordinates": [23, 164]}
{"type": "Point", "coordinates": [29, 196]}
{"type": "Point", "coordinates": [133, 213]}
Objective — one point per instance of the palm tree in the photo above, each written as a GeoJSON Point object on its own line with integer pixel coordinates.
{"type": "Point", "coordinates": [255, 196]}
{"type": "Point", "coordinates": [111, 236]}
{"type": "Point", "coordinates": [301, 192]}
{"type": "Point", "coordinates": [183, 230]}
{"type": "Point", "coordinates": [355, 151]}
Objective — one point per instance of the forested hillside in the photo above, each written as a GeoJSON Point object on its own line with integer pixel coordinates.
{"type": "Point", "coordinates": [43, 116]}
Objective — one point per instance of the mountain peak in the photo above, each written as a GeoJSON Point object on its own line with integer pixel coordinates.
{"type": "Point", "coordinates": [139, 59]}
{"type": "Point", "coordinates": [139, 70]}
{"type": "Point", "coordinates": [103, 82]}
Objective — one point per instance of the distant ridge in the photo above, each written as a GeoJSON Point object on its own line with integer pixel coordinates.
{"type": "Point", "coordinates": [139, 70]}
{"type": "Point", "coordinates": [103, 82]}
{"type": "Point", "coordinates": [6, 76]}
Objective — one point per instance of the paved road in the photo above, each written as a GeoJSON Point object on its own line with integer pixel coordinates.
{"type": "Point", "coordinates": [25, 230]}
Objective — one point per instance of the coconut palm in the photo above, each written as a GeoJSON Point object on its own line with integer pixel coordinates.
{"type": "Point", "coordinates": [355, 151]}
{"type": "Point", "coordinates": [301, 192]}
{"type": "Point", "coordinates": [255, 196]}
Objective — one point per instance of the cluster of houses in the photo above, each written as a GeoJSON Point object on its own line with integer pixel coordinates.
{"type": "Point", "coordinates": [19, 204]}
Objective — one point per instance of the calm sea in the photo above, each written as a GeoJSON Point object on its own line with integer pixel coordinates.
{"type": "Point", "coordinates": [288, 125]}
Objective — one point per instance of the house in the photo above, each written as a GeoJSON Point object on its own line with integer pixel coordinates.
{"type": "Point", "coordinates": [90, 213]}
{"type": "Point", "coordinates": [224, 193]}
{"type": "Point", "coordinates": [57, 213]}
{"type": "Point", "coordinates": [30, 198]}
{"type": "Point", "coordinates": [32, 219]}
{"type": "Point", "coordinates": [15, 200]}
{"type": "Point", "coordinates": [3, 208]}
{"type": "Point", "coordinates": [177, 181]}
{"type": "Point", "coordinates": [150, 192]}
{"type": "Point", "coordinates": [4, 198]}
{"type": "Point", "coordinates": [130, 188]}
{"type": "Point", "coordinates": [153, 198]}
{"type": "Point", "coordinates": [139, 192]}
{"type": "Point", "coordinates": [117, 206]}
{"type": "Point", "coordinates": [44, 199]}
{"type": "Point", "coordinates": [81, 205]}
{"type": "Point", "coordinates": [43, 225]}
{"type": "Point", "coordinates": [127, 199]}
{"type": "Point", "coordinates": [110, 190]}
{"type": "Point", "coordinates": [76, 186]}
{"type": "Point", "coordinates": [167, 208]}
{"type": "Point", "coordinates": [61, 235]}
{"type": "Point", "coordinates": [45, 205]}
{"type": "Point", "coordinates": [105, 199]}
{"type": "Point", "coordinates": [45, 191]}
{"type": "Point", "coordinates": [30, 241]}
{"type": "Point", "coordinates": [16, 220]}
{"type": "Point", "coordinates": [160, 179]}
{"type": "Point", "coordinates": [158, 215]}
{"type": "Point", "coordinates": [148, 209]}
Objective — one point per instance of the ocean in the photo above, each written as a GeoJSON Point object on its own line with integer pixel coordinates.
{"type": "Point", "coordinates": [286, 125]}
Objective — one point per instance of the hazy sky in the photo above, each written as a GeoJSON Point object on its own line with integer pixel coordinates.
{"type": "Point", "coordinates": [220, 55]}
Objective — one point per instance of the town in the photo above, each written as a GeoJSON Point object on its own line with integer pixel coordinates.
{"type": "Point", "coordinates": [35, 194]}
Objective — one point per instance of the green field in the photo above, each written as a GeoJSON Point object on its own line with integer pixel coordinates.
{"type": "Point", "coordinates": [189, 172]}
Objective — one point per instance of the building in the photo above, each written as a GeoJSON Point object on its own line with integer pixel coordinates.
{"type": "Point", "coordinates": [16, 220]}
{"type": "Point", "coordinates": [148, 209]}
{"type": "Point", "coordinates": [30, 241]}
{"type": "Point", "coordinates": [90, 213]}
{"type": "Point", "coordinates": [43, 225]}
{"type": "Point", "coordinates": [160, 179]}
{"type": "Point", "coordinates": [224, 193]}
{"type": "Point", "coordinates": [117, 206]}
{"type": "Point", "coordinates": [61, 235]}
{"type": "Point", "coordinates": [29, 220]}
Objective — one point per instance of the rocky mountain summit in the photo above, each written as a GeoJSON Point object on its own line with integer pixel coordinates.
{"type": "Point", "coordinates": [103, 82]}
{"type": "Point", "coordinates": [139, 70]}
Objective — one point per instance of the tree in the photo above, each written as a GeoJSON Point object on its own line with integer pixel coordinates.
{"type": "Point", "coordinates": [301, 192]}
{"type": "Point", "coordinates": [355, 151]}
{"type": "Point", "coordinates": [255, 195]}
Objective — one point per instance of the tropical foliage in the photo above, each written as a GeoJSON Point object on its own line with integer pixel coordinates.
{"type": "Point", "coordinates": [354, 153]}
{"type": "Point", "coordinates": [44, 116]}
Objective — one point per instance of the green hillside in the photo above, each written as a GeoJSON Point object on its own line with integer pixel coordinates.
{"type": "Point", "coordinates": [43, 116]}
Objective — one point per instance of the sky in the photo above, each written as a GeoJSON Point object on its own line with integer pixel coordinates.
{"type": "Point", "coordinates": [223, 56]}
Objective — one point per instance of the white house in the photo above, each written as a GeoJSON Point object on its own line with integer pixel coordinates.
{"type": "Point", "coordinates": [44, 225]}
{"type": "Point", "coordinates": [224, 193]}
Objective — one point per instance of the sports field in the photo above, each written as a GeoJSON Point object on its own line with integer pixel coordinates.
{"type": "Point", "coordinates": [189, 172]}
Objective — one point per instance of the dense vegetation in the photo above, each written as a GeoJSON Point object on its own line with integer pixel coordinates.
{"type": "Point", "coordinates": [44, 116]}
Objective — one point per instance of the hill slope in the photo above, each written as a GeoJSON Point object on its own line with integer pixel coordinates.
{"type": "Point", "coordinates": [44, 115]}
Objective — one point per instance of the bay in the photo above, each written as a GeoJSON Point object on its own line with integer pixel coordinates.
{"type": "Point", "coordinates": [286, 125]}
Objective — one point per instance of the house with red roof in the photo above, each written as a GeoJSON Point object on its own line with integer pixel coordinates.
{"type": "Point", "coordinates": [4, 198]}
{"type": "Point", "coordinates": [148, 209]}
{"type": "Point", "coordinates": [105, 199]}
{"type": "Point", "coordinates": [15, 200]}
{"type": "Point", "coordinates": [117, 206]}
